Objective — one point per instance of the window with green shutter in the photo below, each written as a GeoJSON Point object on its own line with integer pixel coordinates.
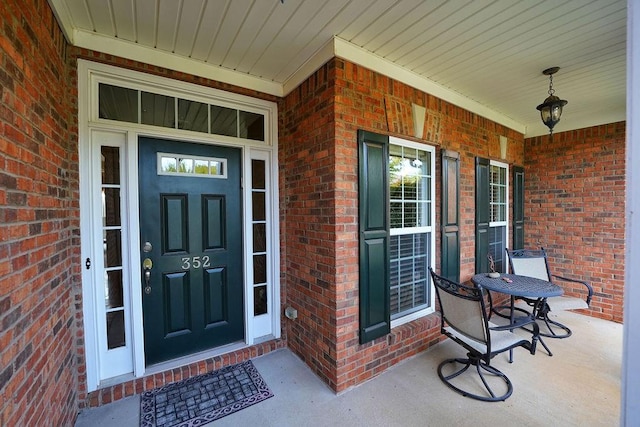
{"type": "Point", "coordinates": [396, 214]}
{"type": "Point", "coordinates": [492, 219]}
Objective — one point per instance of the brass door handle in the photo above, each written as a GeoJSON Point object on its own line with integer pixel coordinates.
{"type": "Point", "coordinates": [147, 265]}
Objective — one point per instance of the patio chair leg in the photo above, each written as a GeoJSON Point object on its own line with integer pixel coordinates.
{"type": "Point", "coordinates": [480, 367]}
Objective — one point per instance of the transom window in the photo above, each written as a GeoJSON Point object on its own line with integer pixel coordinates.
{"type": "Point", "coordinates": [411, 208]}
{"type": "Point", "coordinates": [137, 106]}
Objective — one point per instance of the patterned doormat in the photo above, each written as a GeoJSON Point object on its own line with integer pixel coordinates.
{"type": "Point", "coordinates": [204, 398]}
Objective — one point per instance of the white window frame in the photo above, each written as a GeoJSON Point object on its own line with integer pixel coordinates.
{"type": "Point", "coordinates": [426, 229]}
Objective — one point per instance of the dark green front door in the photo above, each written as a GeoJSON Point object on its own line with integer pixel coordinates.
{"type": "Point", "coordinates": [191, 232]}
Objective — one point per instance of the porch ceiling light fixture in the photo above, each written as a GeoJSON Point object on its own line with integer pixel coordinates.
{"type": "Point", "coordinates": [551, 108]}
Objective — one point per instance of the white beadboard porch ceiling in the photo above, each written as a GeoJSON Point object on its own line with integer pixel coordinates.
{"type": "Point", "coordinates": [484, 55]}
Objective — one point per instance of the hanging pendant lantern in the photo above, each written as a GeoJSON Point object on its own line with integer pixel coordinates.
{"type": "Point", "coordinates": [551, 108]}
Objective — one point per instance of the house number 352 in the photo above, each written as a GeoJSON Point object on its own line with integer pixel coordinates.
{"type": "Point", "coordinates": [195, 262]}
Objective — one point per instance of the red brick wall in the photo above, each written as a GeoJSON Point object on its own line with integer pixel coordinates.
{"type": "Point", "coordinates": [312, 214]}
{"type": "Point", "coordinates": [575, 208]}
{"type": "Point", "coordinates": [39, 246]}
{"type": "Point", "coordinates": [318, 163]}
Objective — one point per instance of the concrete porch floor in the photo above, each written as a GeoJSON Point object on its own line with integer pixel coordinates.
{"type": "Point", "coordinates": [578, 386]}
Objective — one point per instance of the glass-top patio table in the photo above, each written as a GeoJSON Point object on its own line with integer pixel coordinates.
{"type": "Point", "coordinates": [518, 286]}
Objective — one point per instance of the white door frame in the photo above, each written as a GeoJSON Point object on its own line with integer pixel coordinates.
{"type": "Point", "coordinates": [256, 327]}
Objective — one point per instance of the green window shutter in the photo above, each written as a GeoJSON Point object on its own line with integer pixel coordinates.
{"type": "Point", "coordinates": [450, 255]}
{"type": "Point", "coordinates": [373, 172]}
{"type": "Point", "coordinates": [518, 207]}
{"type": "Point", "coordinates": [482, 215]}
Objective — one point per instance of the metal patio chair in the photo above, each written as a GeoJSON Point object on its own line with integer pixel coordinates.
{"type": "Point", "coordinates": [465, 319]}
{"type": "Point", "coordinates": [534, 263]}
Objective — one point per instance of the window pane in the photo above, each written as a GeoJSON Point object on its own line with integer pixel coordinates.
{"type": "Point", "coordinates": [259, 211]}
{"type": "Point", "coordinates": [158, 110]}
{"type": "Point", "coordinates": [396, 214]}
{"type": "Point", "coordinates": [259, 237]}
{"type": "Point", "coordinates": [216, 168]}
{"type": "Point", "coordinates": [259, 269]}
{"type": "Point", "coordinates": [115, 329]}
{"type": "Point", "coordinates": [193, 115]}
{"type": "Point", "coordinates": [185, 165]}
{"type": "Point", "coordinates": [258, 174]}
{"type": "Point", "coordinates": [117, 103]}
{"type": "Point", "coordinates": [251, 126]}
{"type": "Point", "coordinates": [110, 165]}
{"type": "Point", "coordinates": [410, 214]}
{"type": "Point", "coordinates": [497, 245]}
{"type": "Point", "coordinates": [201, 167]}
{"type": "Point", "coordinates": [259, 300]}
{"type": "Point", "coordinates": [224, 121]}
{"type": "Point", "coordinates": [110, 207]}
{"type": "Point", "coordinates": [113, 289]}
{"type": "Point", "coordinates": [409, 264]}
{"type": "Point", "coordinates": [112, 248]}
{"type": "Point", "coordinates": [169, 164]}
{"type": "Point", "coordinates": [409, 187]}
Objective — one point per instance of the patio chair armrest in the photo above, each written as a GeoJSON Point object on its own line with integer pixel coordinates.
{"type": "Point", "coordinates": [582, 282]}
{"type": "Point", "coordinates": [519, 322]}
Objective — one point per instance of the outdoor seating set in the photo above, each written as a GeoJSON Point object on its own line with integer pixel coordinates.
{"type": "Point", "coordinates": [466, 318]}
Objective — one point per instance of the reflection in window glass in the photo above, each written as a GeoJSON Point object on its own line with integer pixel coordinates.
{"type": "Point", "coordinates": [251, 126]}
{"type": "Point", "coordinates": [224, 121]}
{"type": "Point", "coordinates": [118, 103]}
{"type": "Point", "coordinates": [193, 115]}
{"type": "Point", "coordinates": [169, 164]}
{"type": "Point", "coordinates": [158, 110]}
{"type": "Point", "coordinates": [409, 187]}
{"type": "Point", "coordinates": [201, 167]}
{"type": "Point", "coordinates": [217, 168]}
{"type": "Point", "coordinates": [185, 166]}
